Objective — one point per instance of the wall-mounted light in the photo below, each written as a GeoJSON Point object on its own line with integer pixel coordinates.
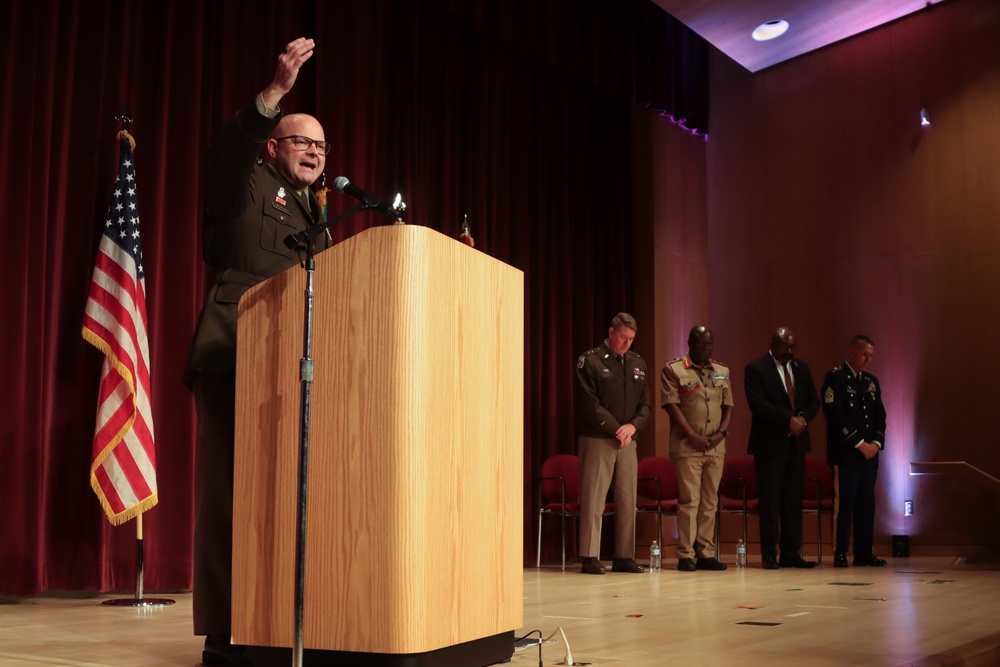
{"type": "Point", "coordinates": [925, 118]}
{"type": "Point", "coordinates": [770, 30]}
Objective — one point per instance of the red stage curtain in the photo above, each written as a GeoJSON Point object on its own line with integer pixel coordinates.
{"type": "Point", "coordinates": [466, 108]}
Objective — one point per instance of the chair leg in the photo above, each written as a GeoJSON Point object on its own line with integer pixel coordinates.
{"type": "Point", "coordinates": [744, 527]}
{"type": "Point", "coordinates": [819, 535]}
{"type": "Point", "coordinates": [562, 533]}
{"type": "Point", "coordinates": [538, 562]}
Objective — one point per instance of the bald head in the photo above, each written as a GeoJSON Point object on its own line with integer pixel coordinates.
{"type": "Point", "coordinates": [783, 344]}
{"type": "Point", "coordinates": [700, 344]}
{"type": "Point", "coordinates": [301, 167]}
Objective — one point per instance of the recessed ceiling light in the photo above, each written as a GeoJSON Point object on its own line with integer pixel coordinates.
{"type": "Point", "coordinates": [770, 30]}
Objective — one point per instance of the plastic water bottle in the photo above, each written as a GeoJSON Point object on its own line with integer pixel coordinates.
{"type": "Point", "coordinates": [741, 553]}
{"type": "Point", "coordinates": [654, 556]}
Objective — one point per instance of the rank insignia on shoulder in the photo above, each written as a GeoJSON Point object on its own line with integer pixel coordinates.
{"type": "Point", "coordinates": [828, 395]}
{"type": "Point", "coordinates": [581, 361]}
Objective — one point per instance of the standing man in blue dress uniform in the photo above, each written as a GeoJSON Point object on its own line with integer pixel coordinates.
{"type": "Point", "coordinates": [855, 435]}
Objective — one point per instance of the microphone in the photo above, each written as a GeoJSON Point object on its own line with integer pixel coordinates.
{"type": "Point", "coordinates": [366, 198]}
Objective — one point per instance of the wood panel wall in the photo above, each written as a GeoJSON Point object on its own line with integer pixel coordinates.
{"type": "Point", "coordinates": [830, 210]}
{"type": "Point", "coordinates": [670, 250]}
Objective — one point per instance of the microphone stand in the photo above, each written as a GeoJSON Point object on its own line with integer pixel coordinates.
{"type": "Point", "coordinates": [303, 241]}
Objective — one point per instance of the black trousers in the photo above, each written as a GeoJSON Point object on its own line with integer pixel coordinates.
{"type": "Point", "coordinates": [780, 480]}
{"type": "Point", "coordinates": [854, 507]}
{"type": "Point", "coordinates": [215, 401]}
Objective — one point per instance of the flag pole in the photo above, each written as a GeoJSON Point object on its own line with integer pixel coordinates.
{"type": "Point", "coordinates": [127, 371]}
{"type": "Point", "coordinates": [138, 600]}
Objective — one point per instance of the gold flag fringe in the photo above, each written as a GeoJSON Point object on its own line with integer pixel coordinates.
{"type": "Point", "coordinates": [131, 139]}
{"type": "Point", "coordinates": [142, 506]}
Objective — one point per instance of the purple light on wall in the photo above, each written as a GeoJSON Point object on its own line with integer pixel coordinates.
{"type": "Point", "coordinates": [682, 124]}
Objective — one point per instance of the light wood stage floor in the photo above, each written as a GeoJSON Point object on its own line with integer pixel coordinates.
{"type": "Point", "coordinates": [917, 611]}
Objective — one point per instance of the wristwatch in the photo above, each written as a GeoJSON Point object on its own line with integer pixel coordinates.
{"type": "Point", "coordinates": [724, 432]}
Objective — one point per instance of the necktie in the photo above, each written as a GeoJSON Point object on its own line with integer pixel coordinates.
{"type": "Point", "coordinates": [790, 386]}
{"type": "Point", "coordinates": [621, 361]}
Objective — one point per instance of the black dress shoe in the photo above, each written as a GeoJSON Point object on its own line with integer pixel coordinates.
{"type": "Point", "coordinates": [592, 566]}
{"type": "Point", "coordinates": [710, 564]}
{"type": "Point", "coordinates": [213, 659]}
{"type": "Point", "coordinates": [219, 652]}
{"type": "Point", "coordinates": [686, 565]}
{"type": "Point", "coordinates": [869, 561]}
{"type": "Point", "coordinates": [769, 563]}
{"type": "Point", "coordinates": [797, 561]}
{"type": "Point", "coordinates": [626, 565]}
{"type": "Point", "coordinates": [840, 560]}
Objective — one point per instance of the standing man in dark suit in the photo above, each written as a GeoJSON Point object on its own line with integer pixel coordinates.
{"type": "Point", "coordinates": [612, 406]}
{"type": "Point", "coordinates": [249, 210]}
{"type": "Point", "coordinates": [782, 400]}
{"type": "Point", "coordinates": [855, 434]}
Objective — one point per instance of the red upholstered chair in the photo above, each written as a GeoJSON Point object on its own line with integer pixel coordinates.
{"type": "Point", "coordinates": [560, 496]}
{"type": "Point", "coordinates": [657, 490]}
{"type": "Point", "coordinates": [737, 491]}
{"type": "Point", "coordinates": [817, 497]}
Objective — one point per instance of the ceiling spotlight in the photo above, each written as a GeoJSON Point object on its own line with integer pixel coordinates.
{"type": "Point", "coordinates": [925, 118]}
{"type": "Point", "coordinates": [770, 30]}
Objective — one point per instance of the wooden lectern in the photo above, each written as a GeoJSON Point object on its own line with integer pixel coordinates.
{"type": "Point", "coordinates": [414, 522]}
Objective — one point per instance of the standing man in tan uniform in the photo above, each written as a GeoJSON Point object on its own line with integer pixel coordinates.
{"type": "Point", "coordinates": [695, 392]}
{"type": "Point", "coordinates": [612, 404]}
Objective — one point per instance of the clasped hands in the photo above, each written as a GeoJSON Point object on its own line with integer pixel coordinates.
{"type": "Point", "coordinates": [624, 434]}
{"type": "Point", "coordinates": [868, 449]}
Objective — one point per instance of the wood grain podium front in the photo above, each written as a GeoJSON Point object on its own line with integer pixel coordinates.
{"type": "Point", "coordinates": [414, 523]}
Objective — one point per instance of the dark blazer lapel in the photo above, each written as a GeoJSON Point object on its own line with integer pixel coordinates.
{"type": "Point", "coordinates": [782, 391]}
{"type": "Point", "coordinates": [801, 391]}
{"type": "Point", "coordinates": [308, 214]}
{"type": "Point", "coordinates": [616, 369]}
{"type": "Point", "coordinates": [311, 212]}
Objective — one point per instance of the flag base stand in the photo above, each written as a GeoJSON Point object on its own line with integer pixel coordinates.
{"type": "Point", "coordinates": [138, 600]}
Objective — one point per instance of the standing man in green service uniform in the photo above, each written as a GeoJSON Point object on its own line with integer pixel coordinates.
{"type": "Point", "coordinates": [612, 405]}
{"type": "Point", "coordinates": [695, 392]}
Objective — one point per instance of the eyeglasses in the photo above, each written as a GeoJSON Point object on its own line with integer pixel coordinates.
{"type": "Point", "coordinates": [301, 143]}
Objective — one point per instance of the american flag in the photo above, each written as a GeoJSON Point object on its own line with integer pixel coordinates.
{"type": "Point", "coordinates": [123, 459]}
